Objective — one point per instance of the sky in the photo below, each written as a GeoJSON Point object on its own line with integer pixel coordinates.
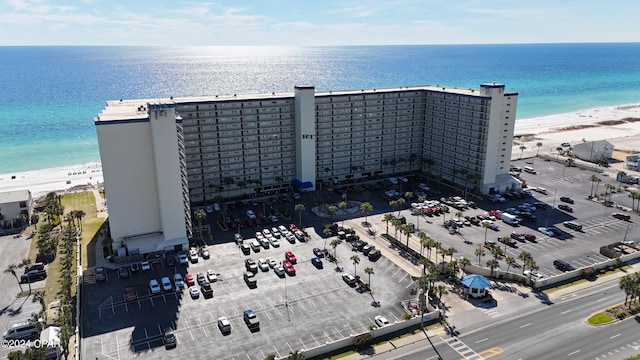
{"type": "Point", "coordinates": [315, 22]}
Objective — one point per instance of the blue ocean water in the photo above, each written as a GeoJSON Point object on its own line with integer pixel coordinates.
{"type": "Point", "coordinates": [50, 95]}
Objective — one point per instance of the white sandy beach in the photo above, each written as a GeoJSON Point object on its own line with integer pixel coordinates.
{"type": "Point", "coordinates": [551, 131]}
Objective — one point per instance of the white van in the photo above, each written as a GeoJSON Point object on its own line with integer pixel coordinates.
{"type": "Point", "coordinates": [22, 331]}
{"type": "Point", "coordinates": [529, 169]}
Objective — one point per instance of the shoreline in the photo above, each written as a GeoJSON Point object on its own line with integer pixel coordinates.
{"type": "Point", "coordinates": [619, 124]}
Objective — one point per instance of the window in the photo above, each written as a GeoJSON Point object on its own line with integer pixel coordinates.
{"type": "Point", "coordinates": [23, 204]}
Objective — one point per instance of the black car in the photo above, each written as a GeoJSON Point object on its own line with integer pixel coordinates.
{"type": "Point", "coordinates": [564, 207]}
{"type": "Point", "coordinates": [318, 252]}
{"type": "Point", "coordinates": [169, 339]}
{"type": "Point", "coordinates": [171, 260]}
{"type": "Point", "coordinates": [517, 236]}
{"type": "Point", "coordinates": [566, 199]}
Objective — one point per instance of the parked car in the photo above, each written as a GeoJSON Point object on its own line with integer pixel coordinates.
{"type": "Point", "coordinates": [566, 208]}
{"type": "Point", "coordinates": [169, 338]}
{"type": "Point", "coordinates": [381, 321]}
{"type": "Point", "coordinates": [349, 279]}
{"type": "Point", "coordinates": [177, 280]}
{"type": "Point", "coordinates": [251, 265]}
{"type": "Point", "coordinates": [183, 258]}
{"type": "Point", "coordinates": [123, 272]}
{"type": "Point", "coordinates": [166, 284]}
{"type": "Point", "coordinates": [288, 268]}
{"type": "Point", "coordinates": [224, 325]}
{"type": "Point", "coordinates": [145, 266]}
{"type": "Point", "coordinates": [193, 256]}
{"type": "Point", "coordinates": [288, 255]}
{"type": "Point", "coordinates": [263, 264]}
{"type": "Point", "coordinates": [620, 216]}
{"type": "Point", "coordinates": [100, 274]}
{"type": "Point", "coordinates": [279, 270]}
{"type": "Point", "coordinates": [251, 215]}
{"type": "Point", "coordinates": [154, 286]}
{"type": "Point", "coordinates": [517, 236]}
{"type": "Point", "coordinates": [200, 278]}
{"type": "Point", "coordinates": [212, 276]}
{"type": "Point", "coordinates": [205, 253]}
{"type": "Point", "coordinates": [566, 199]}
{"type": "Point", "coordinates": [545, 231]}
{"type": "Point", "coordinates": [194, 292]}
{"type": "Point", "coordinates": [529, 237]}
{"type": "Point", "coordinates": [190, 279]}
{"type": "Point", "coordinates": [316, 262]}
{"type": "Point", "coordinates": [541, 190]}
{"type": "Point", "coordinates": [130, 293]}
{"type": "Point", "coordinates": [318, 252]}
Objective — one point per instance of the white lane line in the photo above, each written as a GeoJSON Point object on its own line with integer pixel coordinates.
{"type": "Point", "coordinates": [573, 353]}
{"type": "Point", "coordinates": [525, 325]}
{"type": "Point", "coordinates": [565, 312]}
{"type": "Point", "coordinates": [482, 340]}
{"type": "Point", "coordinates": [614, 336]}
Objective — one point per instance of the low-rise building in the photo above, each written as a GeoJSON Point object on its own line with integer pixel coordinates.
{"type": "Point", "coordinates": [593, 150]}
{"type": "Point", "coordinates": [12, 204]}
{"type": "Point", "coordinates": [632, 162]}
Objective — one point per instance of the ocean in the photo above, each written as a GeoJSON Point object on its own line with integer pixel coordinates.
{"type": "Point", "coordinates": [49, 96]}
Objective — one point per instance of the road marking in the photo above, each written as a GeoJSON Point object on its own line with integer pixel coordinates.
{"type": "Point", "coordinates": [565, 312]}
{"type": "Point", "coordinates": [525, 325]}
{"type": "Point", "coordinates": [205, 332]}
{"type": "Point", "coordinates": [573, 353]}
{"type": "Point", "coordinates": [491, 352]}
{"type": "Point", "coordinates": [614, 336]}
{"type": "Point", "coordinates": [479, 341]}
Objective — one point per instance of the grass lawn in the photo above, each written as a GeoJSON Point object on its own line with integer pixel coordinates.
{"type": "Point", "coordinates": [86, 202]}
{"type": "Point", "coordinates": [600, 318]}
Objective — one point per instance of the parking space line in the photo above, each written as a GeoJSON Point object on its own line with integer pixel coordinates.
{"type": "Point", "coordinates": [205, 331]}
{"type": "Point", "coordinates": [351, 329]}
{"type": "Point", "coordinates": [300, 304]}
{"type": "Point", "coordinates": [276, 350]}
{"type": "Point", "coordinates": [322, 299]}
{"type": "Point", "coordinates": [192, 338]}
{"type": "Point", "coordinates": [395, 273]}
{"type": "Point", "coordinates": [186, 323]}
{"type": "Point", "coordinates": [361, 324]}
{"type": "Point", "coordinates": [278, 311]}
{"type": "Point", "coordinates": [410, 285]}
{"type": "Point", "coordinates": [341, 336]}
{"type": "Point", "coordinates": [303, 345]}
{"type": "Point", "coordinates": [290, 348]}
{"type": "Point", "coordinates": [402, 278]}
{"type": "Point", "coordinates": [314, 339]}
{"type": "Point", "coordinates": [266, 313]}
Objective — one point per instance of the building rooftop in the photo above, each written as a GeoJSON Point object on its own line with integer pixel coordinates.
{"type": "Point", "coordinates": [14, 196]}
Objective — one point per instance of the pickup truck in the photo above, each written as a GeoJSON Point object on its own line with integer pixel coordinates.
{"type": "Point", "coordinates": [251, 320]}
{"type": "Point", "coordinates": [33, 275]}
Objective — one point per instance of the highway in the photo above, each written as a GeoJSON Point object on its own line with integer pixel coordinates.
{"type": "Point", "coordinates": [554, 331]}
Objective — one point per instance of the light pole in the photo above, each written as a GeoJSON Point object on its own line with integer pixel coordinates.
{"type": "Point", "coordinates": [625, 234]}
{"type": "Point", "coordinates": [286, 299]}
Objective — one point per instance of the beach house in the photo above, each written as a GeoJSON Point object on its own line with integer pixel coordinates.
{"type": "Point", "coordinates": [16, 208]}
{"type": "Point", "coordinates": [163, 157]}
{"type": "Point", "coordinates": [632, 162]}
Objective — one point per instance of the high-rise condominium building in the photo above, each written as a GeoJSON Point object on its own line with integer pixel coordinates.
{"type": "Point", "coordinates": [160, 157]}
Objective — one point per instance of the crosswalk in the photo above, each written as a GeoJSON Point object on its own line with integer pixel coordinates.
{"type": "Point", "coordinates": [461, 348]}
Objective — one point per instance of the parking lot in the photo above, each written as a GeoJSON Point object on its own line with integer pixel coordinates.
{"type": "Point", "coordinates": [296, 312]}
{"type": "Point", "coordinates": [579, 248]}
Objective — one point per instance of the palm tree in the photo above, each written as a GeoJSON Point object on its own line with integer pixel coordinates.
{"type": "Point", "coordinates": [295, 355]}
{"type": "Point", "coordinates": [438, 247]}
{"type": "Point", "coordinates": [332, 210]}
{"type": "Point", "coordinates": [270, 357]}
{"type": "Point", "coordinates": [396, 224]}
{"type": "Point", "coordinates": [356, 261]}
{"type": "Point", "coordinates": [510, 261]}
{"type": "Point", "coordinates": [492, 264]}
{"type": "Point", "coordinates": [597, 181]}
{"type": "Point", "coordinates": [524, 256]}
{"type": "Point", "coordinates": [538, 145]}
{"type": "Point", "coordinates": [439, 290]}
{"type": "Point", "coordinates": [479, 252]}
{"type": "Point", "coordinates": [522, 149]}
{"type": "Point", "coordinates": [79, 214]}
{"type": "Point", "coordinates": [608, 191]}
{"type": "Point", "coordinates": [532, 265]}
{"type": "Point", "coordinates": [200, 215]}
{"type": "Point", "coordinates": [505, 240]}
{"type": "Point", "coordinates": [366, 208]}
{"type": "Point", "coordinates": [400, 202]}
{"type": "Point", "coordinates": [300, 208]}
{"type": "Point", "coordinates": [334, 244]}
{"type": "Point", "coordinates": [424, 262]}
{"type": "Point", "coordinates": [485, 225]}
{"type": "Point", "coordinates": [387, 218]}
{"type": "Point", "coordinates": [424, 240]}
{"type": "Point", "coordinates": [394, 205]}
{"type": "Point", "coordinates": [463, 262]}
{"type": "Point", "coordinates": [11, 269]}
{"type": "Point", "coordinates": [432, 244]}
{"type": "Point", "coordinates": [35, 218]}
{"type": "Point", "coordinates": [450, 251]}
{"type": "Point", "coordinates": [369, 271]}
{"type": "Point", "coordinates": [342, 206]}
{"type": "Point", "coordinates": [409, 195]}
{"type": "Point", "coordinates": [407, 229]}
{"type": "Point", "coordinates": [626, 284]}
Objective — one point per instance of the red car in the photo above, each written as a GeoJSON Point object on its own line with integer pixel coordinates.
{"type": "Point", "coordinates": [190, 280]}
{"type": "Point", "coordinates": [496, 213]}
{"type": "Point", "coordinates": [289, 257]}
{"type": "Point", "coordinates": [288, 267]}
{"type": "Point", "coordinates": [293, 227]}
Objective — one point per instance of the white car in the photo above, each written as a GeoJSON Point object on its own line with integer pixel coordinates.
{"type": "Point", "coordinates": [533, 274]}
{"type": "Point", "coordinates": [393, 181]}
{"type": "Point", "coordinates": [177, 280]}
{"type": "Point", "coordinates": [183, 258]}
{"type": "Point", "coordinates": [266, 232]}
{"type": "Point", "coordinates": [424, 187]}
{"type": "Point", "coordinates": [212, 276]}
{"type": "Point", "coordinates": [194, 292]}
{"type": "Point", "coordinates": [224, 325]}
{"type": "Point", "coordinates": [263, 264]}
{"type": "Point", "coordinates": [166, 284]}
{"type": "Point", "coordinates": [272, 262]}
{"type": "Point", "coordinates": [154, 286]}
{"type": "Point", "coordinates": [145, 266]}
{"type": "Point", "coordinates": [275, 232]}
{"type": "Point", "coordinates": [283, 230]}
{"type": "Point", "coordinates": [208, 209]}
{"type": "Point", "coordinates": [279, 270]}
{"type": "Point", "coordinates": [193, 256]}
{"type": "Point", "coordinates": [541, 190]}
{"type": "Point", "coordinates": [251, 215]}
{"type": "Point", "coordinates": [274, 242]}
{"type": "Point", "coordinates": [545, 231]}
{"type": "Point", "coordinates": [381, 321]}
{"type": "Point", "coordinates": [216, 207]}
{"type": "Point", "coordinates": [273, 218]}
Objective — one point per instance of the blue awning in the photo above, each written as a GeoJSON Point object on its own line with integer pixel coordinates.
{"type": "Point", "coordinates": [475, 281]}
{"type": "Point", "coordinates": [302, 185]}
